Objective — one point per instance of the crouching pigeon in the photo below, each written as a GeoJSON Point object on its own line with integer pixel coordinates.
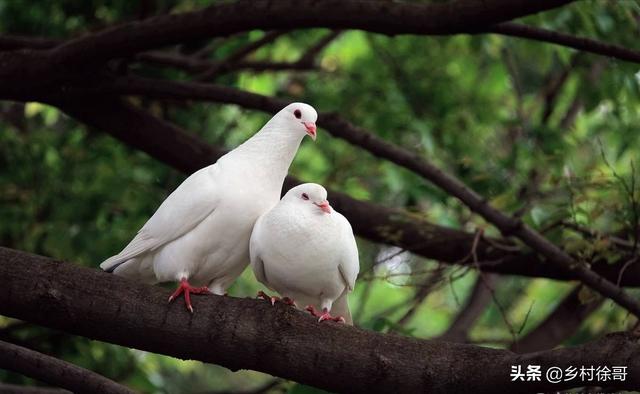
{"type": "Point", "coordinates": [306, 251]}
{"type": "Point", "coordinates": [199, 236]}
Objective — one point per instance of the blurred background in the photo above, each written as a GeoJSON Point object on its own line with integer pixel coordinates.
{"type": "Point", "coordinates": [538, 129]}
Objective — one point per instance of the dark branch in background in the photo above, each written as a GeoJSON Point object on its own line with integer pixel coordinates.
{"type": "Point", "coordinates": [563, 322]}
{"type": "Point", "coordinates": [195, 65]}
{"type": "Point", "coordinates": [338, 127]}
{"type": "Point", "coordinates": [475, 306]}
{"type": "Point", "coordinates": [553, 86]}
{"type": "Point", "coordinates": [377, 223]}
{"type": "Point", "coordinates": [310, 55]}
{"type": "Point", "coordinates": [421, 294]}
{"type": "Point", "coordinates": [436, 14]}
{"type": "Point", "coordinates": [282, 341]}
{"type": "Point", "coordinates": [567, 40]}
{"type": "Point", "coordinates": [240, 54]}
{"type": "Point", "coordinates": [54, 371]}
{"type": "Point", "coordinates": [226, 18]}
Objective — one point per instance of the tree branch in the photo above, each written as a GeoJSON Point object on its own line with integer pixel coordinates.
{"type": "Point", "coordinates": [282, 341]}
{"type": "Point", "coordinates": [195, 65]}
{"type": "Point", "coordinates": [563, 322]}
{"type": "Point", "coordinates": [580, 43]}
{"type": "Point", "coordinates": [240, 54]}
{"type": "Point", "coordinates": [227, 18]}
{"type": "Point", "coordinates": [475, 305]}
{"type": "Point", "coordinates": [54, 371]}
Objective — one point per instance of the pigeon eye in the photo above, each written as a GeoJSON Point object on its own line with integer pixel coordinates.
{"type": "Point", "coordinates": [297, 113]}
{"type": "Point", "coordinates": [305, 196]}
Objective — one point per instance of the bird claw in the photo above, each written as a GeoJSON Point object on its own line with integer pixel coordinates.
{"type": "Point", "coordinates": [273, 299]}
{"type": "Point", "coordinates": [187, 289]}
{"type": "Point", "coordinates": [324, 315]}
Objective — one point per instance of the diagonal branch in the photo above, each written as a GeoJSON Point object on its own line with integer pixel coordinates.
{"type": "Point", "coordinates": [476, 304]}
{"type": "Point", "coordinates": [508, 225]}
{"type": "Point", "coordinates": [563, 322]}
{"type": "Point", "coordinates": [251, 334]}
{"type": "Point", "coordinates": [54, 371]}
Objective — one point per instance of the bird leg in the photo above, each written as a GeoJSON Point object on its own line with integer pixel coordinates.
{"type": "Point", "coordinates": [273, 299]}
{"type": "Point", "coordinates": [187, 289]}
{"type": "Point", "coordinates": [324, 315]}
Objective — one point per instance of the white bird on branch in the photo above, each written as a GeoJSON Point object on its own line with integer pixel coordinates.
{"type": "Point", "coordinates": [306, 251]}
{"type": "Point", "coordinates": [200, 234]}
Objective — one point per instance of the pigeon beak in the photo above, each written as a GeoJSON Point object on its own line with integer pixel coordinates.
{"type": "Point", "coordinates": [326, 208]}
{"type": "Point", "coordinates": [311, 129]}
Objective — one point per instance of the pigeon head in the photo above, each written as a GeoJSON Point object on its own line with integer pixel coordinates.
{"type": "Point", "coordinates": [311, 194]}
{"type": "Point", "coordinates": [301, 117]}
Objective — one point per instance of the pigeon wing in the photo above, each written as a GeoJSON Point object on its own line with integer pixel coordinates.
{"type": "Point", "coordinates": [194, 200]}
{"type": "Point", "coordinates": [349, 264]}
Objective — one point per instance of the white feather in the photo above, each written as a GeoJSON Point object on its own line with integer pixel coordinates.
{"type": "Point", "coordinates": [201, 231]}
{"type": "Point", "coordinates": [306, 254]}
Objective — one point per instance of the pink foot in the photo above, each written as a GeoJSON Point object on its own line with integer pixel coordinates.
{"type": "Point", "coordinates": [324, 315]}
{"type": "Point", "coordinates": [273, 299]}
{"type": "Point", "coordinates": [187, 289]}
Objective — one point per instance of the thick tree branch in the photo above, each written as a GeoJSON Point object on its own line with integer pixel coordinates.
{"type": "Point", "coordinates": [251, 334]}
{"type": "Point", "coordinates": [226, 18]}
{"type": "Point", "coordinates": [54, 371]}
{"type": "Point", "coordinates": [580, 43]}
{"type": "Point", "coordinates": [377, 223]}
{"type": "Point", "coordinates": [509, 226]}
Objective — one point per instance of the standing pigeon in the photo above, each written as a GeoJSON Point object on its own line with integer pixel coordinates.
{"type": "Point", "coordinates": [200, 234]}
{"type": "Point", "coordinates": [306, 251]}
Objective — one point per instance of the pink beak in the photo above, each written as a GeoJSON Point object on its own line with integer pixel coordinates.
{"type": "Point", "coordinates": [311, 129]}
{"type": "Point", "coordinates": [324, 206]}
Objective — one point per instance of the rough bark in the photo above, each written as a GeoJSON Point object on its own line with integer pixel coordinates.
{"type": "Point", "coordinates": [251, 334]}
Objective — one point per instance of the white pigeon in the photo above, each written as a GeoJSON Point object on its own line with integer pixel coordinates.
{"type": "Point", "coordinates": [306, 252]}
{"type": "Point", "coordinates": [200, 234]}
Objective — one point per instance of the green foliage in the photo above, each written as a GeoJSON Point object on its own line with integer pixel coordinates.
{"type": "Point", "coordinates": [473, 105]}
